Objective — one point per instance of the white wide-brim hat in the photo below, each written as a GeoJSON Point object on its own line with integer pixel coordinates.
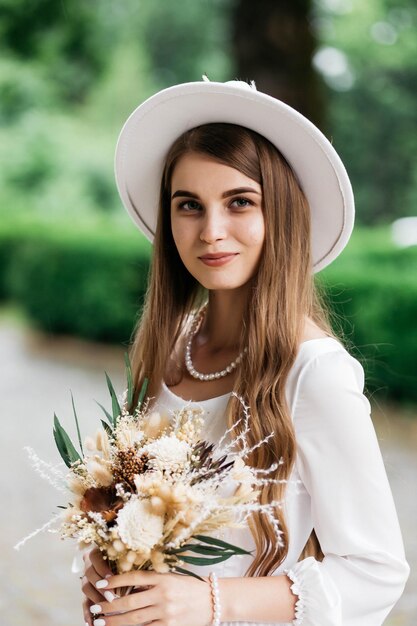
{"type": "Point", "coordinates": [152, 128]}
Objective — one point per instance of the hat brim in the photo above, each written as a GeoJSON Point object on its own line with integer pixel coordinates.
{"type": "Point", "coordinates": [153, 127]}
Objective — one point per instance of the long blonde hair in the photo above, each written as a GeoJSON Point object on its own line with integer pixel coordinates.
{"type": "Point", "coordinates": [282, 293]}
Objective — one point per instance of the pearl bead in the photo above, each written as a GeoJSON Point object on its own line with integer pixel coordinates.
{"type": "Point", "coordinates": [215, 598]}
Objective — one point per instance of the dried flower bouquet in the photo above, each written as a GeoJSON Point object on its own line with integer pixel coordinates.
{"type": "Point", "coordinates": [149, 490]}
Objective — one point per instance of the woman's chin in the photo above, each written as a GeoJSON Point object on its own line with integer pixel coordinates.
{"type": "Point", "coordinates": [219, 285]}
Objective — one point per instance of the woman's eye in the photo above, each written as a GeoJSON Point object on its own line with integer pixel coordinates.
{"type": "Point", "coordinates": [189, 202]}
{"type": "Point", "coordinates": [242, 200]}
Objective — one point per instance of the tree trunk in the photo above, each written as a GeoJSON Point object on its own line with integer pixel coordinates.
{"type": "Point", "coordinates": [273, 44]}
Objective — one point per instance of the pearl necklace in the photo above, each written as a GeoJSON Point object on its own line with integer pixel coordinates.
{"type": "Point", "coordinates": [188, 362]}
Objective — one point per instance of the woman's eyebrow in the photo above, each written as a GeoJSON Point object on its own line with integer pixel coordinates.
{"type": "Point", "coordinates": [225, 194]}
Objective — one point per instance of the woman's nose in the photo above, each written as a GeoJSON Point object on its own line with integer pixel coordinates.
{"type": "Point", "coordinates": [213, 227]}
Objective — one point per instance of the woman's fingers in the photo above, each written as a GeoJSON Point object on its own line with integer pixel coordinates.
{"type": "Point", "coordinates": [134, 579]}
{"type": "Point", "coordinates": [126, 604]}
{"type": "Point", "coordinates": [90, 591]}
{"type": "Point", "coordinates": [96, 569]}
{"type": "Point", "coordinates": [88, 616]}
{"type": "Point", "coordinates": [136, 618]}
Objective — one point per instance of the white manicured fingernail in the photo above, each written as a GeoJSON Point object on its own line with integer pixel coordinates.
{"type": "Point", "coordinates": [95, 608]}
{"type": "Point", "coordinates": [99, 622]}
{"type": "Point", "coordinates": [110, 596]}
{"type": "Point", "coordinates": [101, 583]}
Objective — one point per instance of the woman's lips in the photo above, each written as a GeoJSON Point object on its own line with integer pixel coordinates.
{"type": "Point", "coordinates": [219, 261]}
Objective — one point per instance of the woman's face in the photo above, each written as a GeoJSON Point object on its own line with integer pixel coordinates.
{"type": "Point", "coordinates": [216, 210]}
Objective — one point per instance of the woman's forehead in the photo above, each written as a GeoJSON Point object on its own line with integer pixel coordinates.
{"type": "Point", "coordinates": [193, 170]}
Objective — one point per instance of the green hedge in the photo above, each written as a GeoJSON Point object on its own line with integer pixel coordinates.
{"type": "Point", "coordinates": [377, 309]}
{"type": "Point", "coordinates": [90, 282]}
{"type": "Point", "coordinates": [86, 281]}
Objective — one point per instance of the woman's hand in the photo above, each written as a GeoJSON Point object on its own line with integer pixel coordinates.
{"type": "Point", "coordinates": [95, 568]}
{"type": "Point", "coordinates": [167, 600]}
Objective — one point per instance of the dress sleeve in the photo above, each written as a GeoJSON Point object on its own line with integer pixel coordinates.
{"type": "Point", "coordinates": [364, 569]}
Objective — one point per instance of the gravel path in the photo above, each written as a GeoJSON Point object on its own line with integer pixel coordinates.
{"type": "Point", "coordinates": [37, 374]}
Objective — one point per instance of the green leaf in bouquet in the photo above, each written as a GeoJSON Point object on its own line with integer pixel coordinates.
{"type": "Point", "coordinates": [107, 428]}
{"type": "Point", "coordinates": [106, 413]}
{"type": "Point", "coordinates": [77, 425]}
{"type": "Point", "coordinates": [223, 544]}
{"type": "Point", "coordinates": [197, 547]}
{"type": "Point", "coordinates": [142, 393]}
{"type": "Point", "coordinates": [65, 447]}
{"type": "Point", "coordinates": [115, 403]}
{"type": "Point", "coordinates": [181, 570]}
{"type": "Point", "coordinates": [129, 381]}
{"type": "Point", "coordinates": [208, 550]}
{"type": "Point", "coordinates": [197, 560]}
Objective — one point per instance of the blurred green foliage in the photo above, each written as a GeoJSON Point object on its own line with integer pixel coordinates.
{"type": "Point", "coordinates": [372, 290]}
{"type": "Point", "coordinates": [87, 281]}
{"type": "Point", "coordinates": [71, 72]}
{"type": "Point", "coordinates": [369, 61]}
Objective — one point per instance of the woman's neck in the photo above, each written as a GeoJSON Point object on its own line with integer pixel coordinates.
{"type": "Point", "coordinates": [222, 323]}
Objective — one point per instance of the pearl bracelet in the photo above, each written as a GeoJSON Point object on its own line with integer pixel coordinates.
{"type": "Point", "coordinates": [216, 599]}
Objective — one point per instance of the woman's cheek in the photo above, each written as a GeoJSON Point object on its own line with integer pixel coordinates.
{"type": "Point", "coordinates": [255, 232]}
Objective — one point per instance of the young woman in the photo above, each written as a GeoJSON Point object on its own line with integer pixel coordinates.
{"type": "Point", "coordinates": [245, 200]}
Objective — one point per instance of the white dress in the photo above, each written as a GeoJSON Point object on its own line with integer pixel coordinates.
{"type": "Point", "coordinates": [344, 494]}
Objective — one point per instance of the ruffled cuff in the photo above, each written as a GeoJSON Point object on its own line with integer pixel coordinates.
{"type": "Point", "coordinates": [318, 602]}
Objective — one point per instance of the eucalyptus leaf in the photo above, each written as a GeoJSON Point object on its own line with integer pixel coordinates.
{"type": "Point", "coordinates": [218, 542]}
{"type": "Point", "coordinates": [209, 550]}
{"type": "Point", "coordinates": [181, 570]}
{"type": "Point", "coordinates": [106, 413]}
{"type": "Point", "coordinates": [77, 425]}
{"type": "Point", "coordinates": [107, 428]}
{"type": "Point", "coordinates": [66, 449]}
{"type": "Point", "coordinates": [129, 381]}
{"type": "Point", "coordinates": [196, 560]}
{"type": "Point", "coordinates": [61, 448]}
{"type": "Point", "coordinates": [199, 548]}
{"type": "Point", "coordinates": [115, 403]}
{"type": "Point", "coordinates": [60, 442]}
{"type": "Point", "coordinates": [142, 393]}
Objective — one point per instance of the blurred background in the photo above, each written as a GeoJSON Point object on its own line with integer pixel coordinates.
{"type": "Point", "coordinates": [73, 267]}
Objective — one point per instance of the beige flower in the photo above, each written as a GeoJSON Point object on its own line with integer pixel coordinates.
{"type": "Point", "coordinates": [90, 444]}
{"type": "Point", "coordinates": [102, 443]}
{"type": "Point", "coordinates": [139, 529]}
{"type": "Point", "coordinates": [76, 485]}
{"type": "Point", "coordinates": [158, 562]}
{"type": "Point", "coordinates": [100, 473]}
{"type": "Point", "coordinates": [154, 425]}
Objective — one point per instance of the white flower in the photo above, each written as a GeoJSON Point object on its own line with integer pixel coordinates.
{"type": "Point", "coordinates": [138, 529]}
{"type": "Point", "coordinates": [168, 453]}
